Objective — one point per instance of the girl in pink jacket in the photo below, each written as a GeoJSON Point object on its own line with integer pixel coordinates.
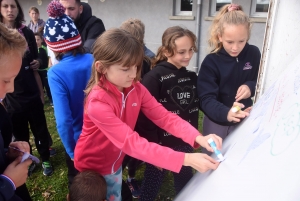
{"type": "Point", "coordinates": [114, 98]}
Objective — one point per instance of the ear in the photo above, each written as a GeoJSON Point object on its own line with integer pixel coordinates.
{"type": "Point", "coordinates": [99, 67]}
{"type": "Point", "coordinates": [166, 53]}
{"type": "Point", "coordinates": [68, 197]}
{"type": "Point", "coordinates": [220, 38]}
{"type": "Point", "coordinates": [80, 9]}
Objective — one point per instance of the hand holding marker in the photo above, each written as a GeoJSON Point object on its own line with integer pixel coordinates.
{"type": "Point", "coordinates": [216, 151]}
{"type": "Point", "coordinates": [26, 155]}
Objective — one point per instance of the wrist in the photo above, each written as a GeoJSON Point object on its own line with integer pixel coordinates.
{"type": "Point", "coordinates": [186, 159]}
{"type": "Point", "coordinates": [10, 180]}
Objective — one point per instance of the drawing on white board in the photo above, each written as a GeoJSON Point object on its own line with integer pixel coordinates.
{"type": "Point", "coordinates": [258, 140]}
{"type": "Point", "coordinates": [287, 130]}
{"type": "Point", "coordinates": [297, 84]}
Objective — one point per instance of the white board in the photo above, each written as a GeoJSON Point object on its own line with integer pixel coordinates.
{"type": "Point", "coordinates": [262, 154]}
{"type": "Point", "coordinates": [281, 42]}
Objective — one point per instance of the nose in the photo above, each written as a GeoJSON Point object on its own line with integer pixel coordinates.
{"type": "Point", "coordinates": [133, 71]}
{"type": "Point", "coordinates": [235, 47]}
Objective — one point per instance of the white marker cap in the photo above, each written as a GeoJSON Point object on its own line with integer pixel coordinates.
{"type": "Point", "coordinates": [221, 157]}
{"type": "Point", "coordinates": [210, 140]}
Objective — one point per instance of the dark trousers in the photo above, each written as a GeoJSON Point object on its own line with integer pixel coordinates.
{"type": "Point", "coordinates": [35, 116]}
{"type": "Point", "coordinates": [23, 193]}
{"type": "Point", "coordinates": [43, 75]}
{"type": "Point", "coordinates": [72, 171]}
{"type": "Point", "coordinates": [132, 164]}
{"type": "Point", "coordinates": [153, 177]}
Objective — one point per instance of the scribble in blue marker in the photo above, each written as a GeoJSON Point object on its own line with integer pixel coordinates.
{"type": "Point", "coordinates": [260, 139]}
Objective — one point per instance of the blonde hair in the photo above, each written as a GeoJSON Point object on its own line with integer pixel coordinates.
{"type": "Point", "coordinates": [115, 46]}
{"type": "Point", "coordinates": [136, 27]}
{"type": "Point", "coordinates": [226, 16]}
{"type": "Point", "coordinates": [168, 42]}
{"type": "Point", "coordinates": [11, 42]}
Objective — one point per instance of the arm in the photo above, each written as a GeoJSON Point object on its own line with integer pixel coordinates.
{"type": "Point", "coordinates": [127, 140]}
{"type": "Point", "coordinates": [7, 188]}
{"type": "Point", "coordinates": [208, 92]}
{"type": "Point", "coordinates": [63, 114]}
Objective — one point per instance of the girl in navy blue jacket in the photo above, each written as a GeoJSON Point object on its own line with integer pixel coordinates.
{"type": "Point", "coordinates": [228, 75]}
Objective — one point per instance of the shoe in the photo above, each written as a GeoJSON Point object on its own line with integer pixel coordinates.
{"type": "Point", "coordinates": [52, 151]}
{"type": "Point", "coordinates": [48, 170]}
{"type": "Point", "coordinates": [31, 168]}
{"type": "Point", "coordinates": [134, 188]}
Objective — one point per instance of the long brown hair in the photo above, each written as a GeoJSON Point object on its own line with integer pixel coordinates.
{"type": "Point", "coordinates": [115, 46]}
{"type": "Point", "coordinates": [226, 16]}
{"type": "Point", "coordinates": [168, 42]}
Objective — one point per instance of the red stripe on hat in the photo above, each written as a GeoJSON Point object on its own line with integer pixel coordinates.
{"type": "Point", "coordinates": [65, 45]}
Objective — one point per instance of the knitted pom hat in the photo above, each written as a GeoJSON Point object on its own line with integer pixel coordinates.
{"type": "Point", "coordinates": [60, 32]}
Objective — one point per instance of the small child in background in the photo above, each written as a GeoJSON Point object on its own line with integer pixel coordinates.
{"type": "Point", "coordinates": [137, 28]}
{"type": "Point", "coordinates": [88, 186]}
{"type": "Point", "coordinates": [42, 55]}
{"type": "Point", "coordinates": [67, 79]}
{"type": "Point", "coordinates": [174, 87]}
{"type": "Point", "coordinates": [114, 99]}
{"type": "Point", "coordinates": [228, 75]}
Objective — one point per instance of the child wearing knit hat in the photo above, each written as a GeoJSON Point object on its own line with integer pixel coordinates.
{"type": "Point", "coordinates": [67, 79]}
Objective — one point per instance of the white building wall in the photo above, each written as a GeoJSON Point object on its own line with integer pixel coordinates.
{"type": "Point", "coordinates": [155, 15]}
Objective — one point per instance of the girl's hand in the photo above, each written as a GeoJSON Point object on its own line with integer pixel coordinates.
{"type": "Point", "coordinates": [200, 162]}
{"type": "Point", "coordinates": [243, 92]}
{"type": "Point", "coordinates": [202, 140]}
{"type": "Point", "coordinates": [237, 116]}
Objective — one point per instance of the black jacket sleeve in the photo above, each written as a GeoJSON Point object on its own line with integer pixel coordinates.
{"type": "Point", "coordinates": [95, 29]}
{"type": "Point", "coordinates": [145, 127]}
{"type": "Point", "coordinates": [208, 90]}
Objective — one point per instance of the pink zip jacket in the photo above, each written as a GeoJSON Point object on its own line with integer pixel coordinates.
{"type": "Point", "coordinates": [107, 134]}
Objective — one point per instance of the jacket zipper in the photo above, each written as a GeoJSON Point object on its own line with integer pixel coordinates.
{"type": "Point", "coordinates": [237, 60]}
{"type": "Point", "coordinates": [123, 106]}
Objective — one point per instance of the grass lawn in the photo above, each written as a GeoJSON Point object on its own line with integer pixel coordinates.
{"type": "Point", "coordinates": [55, 187]}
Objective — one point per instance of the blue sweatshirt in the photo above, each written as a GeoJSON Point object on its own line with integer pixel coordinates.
{"type": "Point", "coordinates": [67, 80]}
{"type": "Point", "coordinates": [219, 78]}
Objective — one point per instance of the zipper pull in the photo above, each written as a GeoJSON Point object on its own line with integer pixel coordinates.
{"type": "Point", "coordinates": [237, 59]}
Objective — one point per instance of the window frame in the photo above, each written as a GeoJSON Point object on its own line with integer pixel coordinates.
{"type": "Point", "coordinates": [255, 14]}
{"type": "Point", "coordinates": [213, 7]}
{"type": "Point", "coordinates": [178, 12]}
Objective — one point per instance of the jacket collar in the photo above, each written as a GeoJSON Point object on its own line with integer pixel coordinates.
{"type": "Point", "coordinates": [170, 66]}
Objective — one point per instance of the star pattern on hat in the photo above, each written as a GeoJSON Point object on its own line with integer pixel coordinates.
{"type": "Point", "coordinates": [59, 37]}
{"type": "Point", "coordinates": [73, 33]}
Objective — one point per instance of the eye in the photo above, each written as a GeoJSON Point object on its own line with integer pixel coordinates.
{"type": "Point", "coordinates": [242, 41]}
{"type": "Point", "coordinates": [6, 82]}
{"type": "Point", "coordinates": [180, 52]}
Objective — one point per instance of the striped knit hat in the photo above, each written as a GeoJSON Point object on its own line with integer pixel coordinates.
{"type": "Point", "coordinates": [60, 32]}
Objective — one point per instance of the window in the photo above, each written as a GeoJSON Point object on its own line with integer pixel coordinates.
{"type": "Point", "coordinates": [184, 7]}
{"type": "Point", "coordinates": [216, 5]}
{"type": "Point", "coordinates": [259, 8]}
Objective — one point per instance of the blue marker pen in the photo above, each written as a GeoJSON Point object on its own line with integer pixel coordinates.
{"type": "Point", "coordinates": [214, 146]}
